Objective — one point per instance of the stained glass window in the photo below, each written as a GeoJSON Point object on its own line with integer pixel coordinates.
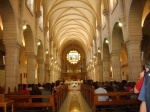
{"type": "Point", "coordinates": [73, 56]}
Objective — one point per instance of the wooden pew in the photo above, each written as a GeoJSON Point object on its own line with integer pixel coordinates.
{"type": "Point", "coordinates": [5, 103]}
{"type": "Point", "coordinates": [116, 99]}
{"type": "Point", "coordinates": [59, 96]}
{"type": "Point", "coordinates": [26, 101]}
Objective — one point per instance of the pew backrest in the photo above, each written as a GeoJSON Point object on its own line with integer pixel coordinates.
{"type": "Point", "coordinates": [119, 98]}
{"type": "Point", "coordinates": [27, 100]}
{"type": "Point", "coordinates": [2, 97]}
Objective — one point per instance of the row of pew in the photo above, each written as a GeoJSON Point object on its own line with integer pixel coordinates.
{"type": "Point", "coordinates": [22, 100]}
{"type": "Point", "coordinates": [116, 99]}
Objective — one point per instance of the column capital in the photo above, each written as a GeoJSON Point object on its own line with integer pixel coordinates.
{"type": "Point", "coordinates": [100, 62]}
{"type": "Point", "coordinates": [98, 27]}
{"type": "Point", "coordinates": [40, 61]}
{"type": "Point", "coordinates": [12, 43]}
{"type": "Point", "coordinates": [38, 14]}
{"type": "Point", "coordinates": [47, 67]}
{"type": "Point", "coordinates": [94, 38]}
{"type": "Point", "coordinates": [123, 21]}
{"type": "Point", "coordinates": [91, 45]}
{"type": "Point", "coordinates": [31, 55]}
{"type": "Point", "coordinates": [21, 23]}
{"type": "Point", "coordinates": [51, 40]}
{"type": "Point", "coordinates": [128, 42]}
{"type": "Point", "coordinates": [54, 45]}
{"type": "Point", "coordinates": [105, 12]}
{"type": "Point", "coordinates": [46, 29]}
{"type": "Point", "coordinates": [115, 53]}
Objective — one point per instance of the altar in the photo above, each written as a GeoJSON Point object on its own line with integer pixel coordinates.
{"type": "Point", "coordinates": [74, 85]}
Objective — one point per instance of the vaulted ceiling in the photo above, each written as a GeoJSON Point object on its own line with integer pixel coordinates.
{"type": "Point", "coordinates": [72, 22]}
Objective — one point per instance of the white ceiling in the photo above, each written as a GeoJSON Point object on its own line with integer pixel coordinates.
{"type": "Point", "coordinates": [72, 21]}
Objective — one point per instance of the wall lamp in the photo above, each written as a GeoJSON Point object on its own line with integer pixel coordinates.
{"type": "Point", "coordinates": [99, 50]}
{"type": "Point", "coordinates": [39, 42]}
{"type": "Point", "coordinates": [47, 51]}
{"type": "Point", "coordinates": [120, 24]}
{"type": "Point", "coordinates": [106, 41]}
{"type": "Point", "coordinates": [24, 27]}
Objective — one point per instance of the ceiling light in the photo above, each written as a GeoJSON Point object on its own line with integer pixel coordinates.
{"type": "Point", "coordinates": [106, 41]}
{"type": "Point", "coordinates": [47, 51]}
{"type": "Point", "coordinates": [99, 50]}
{"type": "Point", "coordinates": [39, 43]}
{"type": "Point", "coordinates": [120, 24]}
{"type": "Point", "coordinates": [24, 27]}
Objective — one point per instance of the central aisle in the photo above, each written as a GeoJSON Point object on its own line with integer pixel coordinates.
{"type": "Point", "coordinates": [75, 102]}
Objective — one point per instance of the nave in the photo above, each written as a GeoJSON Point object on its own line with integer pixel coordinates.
{"type": "Point", "coordinates": [75, 102]}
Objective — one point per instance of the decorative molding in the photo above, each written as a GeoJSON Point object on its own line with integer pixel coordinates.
{"type": "Point", "coordinates": [21, 23]}
{"type": "Point", "coordinates": [105, 12]}
{"type": "Point", "coordinates": [98, 27]}
{"type": "Point", "coordinates": [30, 55]}
{"type": "Point", "coordinates": [46, 29]}
{"type": "Point", "coordinates": [38, 14]}
{"type": "Point", "coordinates": [11, 43]}
{"type": "Point", "coordinates": [123, 21]}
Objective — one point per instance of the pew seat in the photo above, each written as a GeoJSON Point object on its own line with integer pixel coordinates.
{"type": "Point", "coordinates": [5, 103]}
{"type": "Point", "coordinates": [120, 99]}
{"type": "Point", "coordinates": [26, 101]}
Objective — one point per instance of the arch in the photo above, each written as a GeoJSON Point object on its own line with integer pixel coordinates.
{"type": "Point", "coordinates": [8, 18]}
{"type": "Point", "coordinates": [145, 11]}
{"type": "Point", "coordinates": [29, 40]}
{"type": "Point", "coordinates": [65, 65]}
{"type": "Point", "coordinates": [70, 43]}
{"type": "Point", "coordinates": [117, 38]}
{"type": "Point", "coordinates": [145, 42]}
{"type": "Point", "coordinates": [134, 21]}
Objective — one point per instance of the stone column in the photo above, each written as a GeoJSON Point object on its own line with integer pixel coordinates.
{"type": "Point", "coordinates": [99, 68]}
{"type": "Point", "coordinates": [106, 69]}
{"type": "Point", "coordinates": [47, 74]}
{"type": "Point", "coordinates": [41, 71]}
{"type": "Point", "coordinates": [31, 67]}
{"type": "Point", "coordinates": [134, 60]}
{"type": "Point", "coordinates": [116, 66]}
{"type": "Point", "coordinates": [51, 75]}
{"type": "Point", "coordinates": [11, 64]}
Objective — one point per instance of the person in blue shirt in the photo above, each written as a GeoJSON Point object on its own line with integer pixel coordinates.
{"type": "Point", "coordinates": [46, 91]}
{"type": "Point", "coordinates": [144, 94]}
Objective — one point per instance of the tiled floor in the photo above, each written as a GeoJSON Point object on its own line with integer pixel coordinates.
{"type": "Point", "coordinates": [75, 102]}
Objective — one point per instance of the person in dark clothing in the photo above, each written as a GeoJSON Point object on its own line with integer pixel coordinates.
{"type": "Point", "coordinates": [36, 91]}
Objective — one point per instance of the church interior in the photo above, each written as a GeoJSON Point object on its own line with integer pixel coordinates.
{"type": "Point", "coordinates": [73, 41]}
